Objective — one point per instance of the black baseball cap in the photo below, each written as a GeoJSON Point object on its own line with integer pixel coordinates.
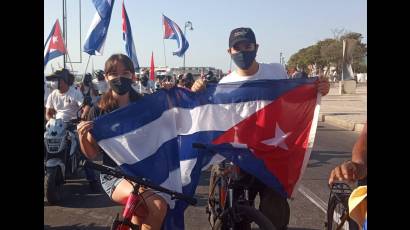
{"type": "Point", "coordinates": [241, 34]}
{"type": "Point", "coordinates": [63, 74]}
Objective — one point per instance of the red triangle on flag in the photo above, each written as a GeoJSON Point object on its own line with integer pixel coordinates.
{"type": "Point", "coordinates": [56, 40]}
{"type": "Point", "coordinates": [291, 116]}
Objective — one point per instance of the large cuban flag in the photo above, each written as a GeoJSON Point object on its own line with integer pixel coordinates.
{"type": "Point", "coordinates": [172, 31]}
{"type": "Point", "coordinates": [267, 127]}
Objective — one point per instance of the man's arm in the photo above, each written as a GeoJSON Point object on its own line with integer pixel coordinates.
{"type": "Point", "coordinates": [356, 168]}
{"type": "Point", "coordinates": [50, 112]}
{"type": "Point", "coordinates": [359, 154]}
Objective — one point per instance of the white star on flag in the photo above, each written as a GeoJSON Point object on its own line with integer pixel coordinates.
{"type": "Point", "coordinates": [278, 139]}
{"type": "Point", "coordinates": [55, 39]}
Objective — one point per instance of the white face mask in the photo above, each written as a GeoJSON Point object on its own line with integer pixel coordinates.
{"type": "Point", "coordinates": [54, 85]}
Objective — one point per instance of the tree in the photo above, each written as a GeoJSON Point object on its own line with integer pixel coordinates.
{"type": "Point", "coordinates": [329, 52]}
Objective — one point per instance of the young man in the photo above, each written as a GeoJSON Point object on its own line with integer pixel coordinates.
{"type": "Point", "coordinates": [243, 49]}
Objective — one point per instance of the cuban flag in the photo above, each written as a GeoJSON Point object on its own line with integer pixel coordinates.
{"type": "Point", "coordinates": [54, 46]}
{"type": "Point", "coordinates": [127, 37]}
{"type": "Point", "coordinates": [266, 127]}
{"type": "Point", "coordinates": [97, 33]}
{"type": "Point", "coordinates": [172, 31]}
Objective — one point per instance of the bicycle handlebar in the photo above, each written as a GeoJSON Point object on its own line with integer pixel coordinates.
{"type": "Point", "coordinates": [198, 146]}
{"type": "Point", "coordinates": [141, 181]}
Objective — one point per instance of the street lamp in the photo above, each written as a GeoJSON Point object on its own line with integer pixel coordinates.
{"type": "Point", "coordinates": [189, 25]}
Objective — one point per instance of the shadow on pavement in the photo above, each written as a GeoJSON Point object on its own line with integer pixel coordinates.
{"type": "Point", "coordinates": [202, 200]}
{"type": "Point", "coordinates": [323, 157]}
{"type": "Point", "coordinates": [204, 180]}
{"type": "Point", "coordinates": [77, 194]}
{"type": "Point", "coordinates": [76, 227]}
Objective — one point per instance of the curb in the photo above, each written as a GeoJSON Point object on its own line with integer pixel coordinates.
{"type": "Point", "coordinates": [348, 125]}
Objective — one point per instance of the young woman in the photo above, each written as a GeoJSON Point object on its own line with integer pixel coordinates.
{"type": "Point", "coordinates": [119, 73]}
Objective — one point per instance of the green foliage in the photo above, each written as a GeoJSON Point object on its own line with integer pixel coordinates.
{"type": "Point", "coordinates": [329, 52]}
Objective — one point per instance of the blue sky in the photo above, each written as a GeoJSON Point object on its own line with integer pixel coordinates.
{"type": "Point", "coordinates": [280, 26]}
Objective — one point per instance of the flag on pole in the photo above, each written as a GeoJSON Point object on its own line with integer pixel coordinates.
{"type": "Point", "coordinates": [152, 69]}
{"type": "Point", "coordinates": [54, 46]}
{"type": "Point", "coordinates": [127, 37]}
{"type": "Point", "coordinates": [172, 31]}
{"type": "Point", "coordinates": [266, 127]}
{"type": "Point", "coordinates": [97, 33]}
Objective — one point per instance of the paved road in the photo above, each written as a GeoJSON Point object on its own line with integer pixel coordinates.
{"type": "Point", "coordinates": [82, 210]}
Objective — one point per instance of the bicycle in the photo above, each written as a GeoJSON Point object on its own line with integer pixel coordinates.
{"type": "Point", "coordinates": [229, 206]}
{"type": "Point", "coordinates": [135, 202]}
{"type": "Point", "coordinates": [338, 208]}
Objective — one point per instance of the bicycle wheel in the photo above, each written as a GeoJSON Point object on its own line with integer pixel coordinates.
{"type": "Point", "coordinates": [338, 215]}
{"type": "Point", "coordinates": [248, 218]}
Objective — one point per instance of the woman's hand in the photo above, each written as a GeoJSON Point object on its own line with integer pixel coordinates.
{"type": "Point", "coordinates": [83, 128]}
{"type": "Point", "coordinates": [88, 144]}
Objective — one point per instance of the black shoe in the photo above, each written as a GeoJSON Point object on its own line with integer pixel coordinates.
{"type": "Point", "coordinates": [94, 186]}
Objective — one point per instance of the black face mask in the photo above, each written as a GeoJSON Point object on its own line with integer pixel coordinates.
{"type": "Point", "coordinates": [120, 85]}
{"type": "Point", "coordinates": [144, 81]}
{"type": "Point", "coordinates": [244, 59]}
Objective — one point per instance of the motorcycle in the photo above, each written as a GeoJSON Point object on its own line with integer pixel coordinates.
{"type": "Point", "coordinates": [61, 157]}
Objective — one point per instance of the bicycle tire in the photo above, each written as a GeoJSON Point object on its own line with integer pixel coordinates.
{"type": "Point", "coordinates": [332, 214]}
{"type": "Point", "coordinates": [253, 215]}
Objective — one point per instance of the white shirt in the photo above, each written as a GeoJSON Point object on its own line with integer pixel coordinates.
{"type": "Point", "coordinates": [46, 93]}
{"type": "Point", "coordinates": [265, 71]}
{"type": "Point", "coordinates": [100, 86]}
{"type": "Point", "coordinates": [138, 87]}
{"type": "Point", "coordinates": [66, 104]}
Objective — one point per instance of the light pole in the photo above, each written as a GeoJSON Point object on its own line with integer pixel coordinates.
{"type": "Point", "coordinates": [280, 58]}
{"type": "Point", "coordinates": [187, 24]}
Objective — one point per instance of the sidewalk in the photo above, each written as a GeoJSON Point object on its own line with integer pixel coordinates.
{"type": "Point", "coordinates": [348, 111]}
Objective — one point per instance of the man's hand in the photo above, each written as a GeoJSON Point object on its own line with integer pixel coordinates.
{"type": "Point", "coordinates": [348, 171]}
{"type": "Point", "coordinates": [198, 85]}
{"type": "Point", "coordinates": [323, 85]}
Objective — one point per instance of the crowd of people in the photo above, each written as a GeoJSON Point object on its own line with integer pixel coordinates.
{"type": "Point", "coordinates": [105, 91]}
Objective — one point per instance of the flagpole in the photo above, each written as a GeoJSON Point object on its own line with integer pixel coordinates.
{"type": "Point", "coordinates": [85, 71]}
{"type": "Point", "coordinates": [163, 41]}
{"type": "Point", "coordinates": [92, 65]}
{"type": "Point", "coordinates": [64, 29]}
{"type": "Point", "coordinates": [165, 57]}
{"type": "Point", "coordinates": [69, 59]}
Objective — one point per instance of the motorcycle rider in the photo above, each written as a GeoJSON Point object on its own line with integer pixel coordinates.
{"type": "Point", "coordinates": [99, 82]}
{"type": "Point", "coordinates": [143, 86]}
{"type": "Point", "coordinates": [64, 103]}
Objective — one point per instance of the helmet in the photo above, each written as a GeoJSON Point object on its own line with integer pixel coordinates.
{"type": "Point", "coordinates": [99, 74]}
